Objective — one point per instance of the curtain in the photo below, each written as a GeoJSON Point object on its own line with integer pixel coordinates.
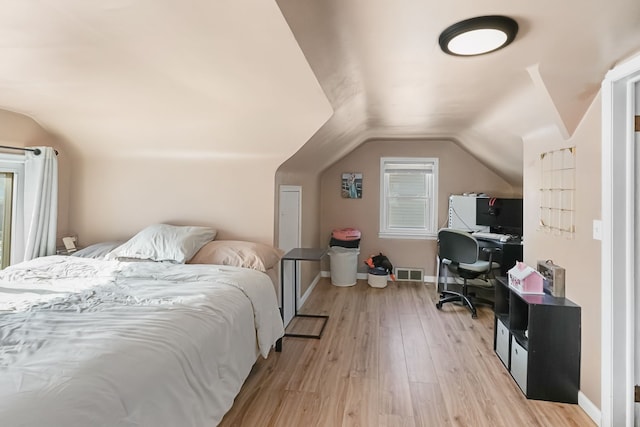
{"type": "Point", "coordinates": [40, 203]}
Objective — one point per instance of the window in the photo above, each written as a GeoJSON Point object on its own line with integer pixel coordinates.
{"type": "Point", "coordinates": [6, 210]}
{"type": "Point", "coordinates": [11, 196]}
{"type": "Point", "coordinates": [409, 197]}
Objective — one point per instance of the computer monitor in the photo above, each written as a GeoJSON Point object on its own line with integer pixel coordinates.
{"type": "Point", "coordinates": [501, 215]}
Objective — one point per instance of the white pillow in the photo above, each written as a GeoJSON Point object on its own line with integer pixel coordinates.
{"type": "Point", "coordinates": [164, 242]}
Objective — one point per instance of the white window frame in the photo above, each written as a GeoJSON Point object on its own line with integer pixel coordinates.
{"type": "Point", "coordinates": [14, 163]}
{"type": "Point", "coordinates": [428, 232]}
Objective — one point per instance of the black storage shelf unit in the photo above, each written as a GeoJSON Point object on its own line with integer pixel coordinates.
{"type": "Point", "coordinates": [537, 337]}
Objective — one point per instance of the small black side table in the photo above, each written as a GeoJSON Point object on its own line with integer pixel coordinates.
{"type": "Point", "coordinates": [296, 255]}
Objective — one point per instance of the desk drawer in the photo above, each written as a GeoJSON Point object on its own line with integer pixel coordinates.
{"type": "Point", "coordinates": [519, 362]}
{"type": "Point", "coordinates": [502, 343]}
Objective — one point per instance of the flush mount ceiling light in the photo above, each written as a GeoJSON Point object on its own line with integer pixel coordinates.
{"type": "Point", "coordinates": [477, 36]}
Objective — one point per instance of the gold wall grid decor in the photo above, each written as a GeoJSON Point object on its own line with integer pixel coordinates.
{"type": "Point", "coordinates": [557, 191]}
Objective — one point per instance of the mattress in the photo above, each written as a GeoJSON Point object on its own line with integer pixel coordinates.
{"type": "Point", "coordinates": [87, 342]}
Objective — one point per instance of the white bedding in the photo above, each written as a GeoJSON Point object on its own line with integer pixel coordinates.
{"type": "Point", "coordinates": [88, 342]}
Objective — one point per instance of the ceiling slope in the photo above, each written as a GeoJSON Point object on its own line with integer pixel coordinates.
{"type": "Point", "coordinates": [166, 79]}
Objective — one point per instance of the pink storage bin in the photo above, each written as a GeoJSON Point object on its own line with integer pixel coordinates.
{"type": "Point", "coordinates": [346, 234]}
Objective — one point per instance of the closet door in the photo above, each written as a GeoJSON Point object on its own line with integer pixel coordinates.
{"type": "Point", "coordinates": [289, 237]}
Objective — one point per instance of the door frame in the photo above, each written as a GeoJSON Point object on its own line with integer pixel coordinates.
{"type": "Point", "coordinates": [618, 269]}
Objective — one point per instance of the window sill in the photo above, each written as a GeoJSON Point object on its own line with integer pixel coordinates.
{"type": "Point", "coordinates": [413, 236]}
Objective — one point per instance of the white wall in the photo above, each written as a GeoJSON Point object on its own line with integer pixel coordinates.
{"type": "Point", "coordinates": [579, 255]}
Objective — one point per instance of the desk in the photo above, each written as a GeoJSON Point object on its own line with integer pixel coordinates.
{"type": "Point", "coordinates": [510, 252]}
{"type": "Point", "coordinates": [296, 255]}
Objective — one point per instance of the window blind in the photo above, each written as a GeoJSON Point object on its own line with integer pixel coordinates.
{"type": "Point", "coordinates": [408, 196]}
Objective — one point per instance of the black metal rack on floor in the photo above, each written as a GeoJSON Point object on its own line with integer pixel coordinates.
{"type": "Point", "coordinates": [296, 255]}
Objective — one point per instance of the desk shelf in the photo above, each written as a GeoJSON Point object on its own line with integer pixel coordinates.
{"type": "Point", "coordinates": [510, 252]}
{"type": "Point", "coordinates": [544, 362]}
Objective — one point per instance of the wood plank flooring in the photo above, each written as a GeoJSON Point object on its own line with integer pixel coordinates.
{"type": "Point", "coordinates": [387, 358]}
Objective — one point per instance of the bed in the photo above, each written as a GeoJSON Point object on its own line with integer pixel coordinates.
{"type": "Point", "coordinates": [120, 340]}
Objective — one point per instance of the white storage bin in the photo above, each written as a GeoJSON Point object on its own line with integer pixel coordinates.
{"type": "Point", "coordinates": [377, 280]}
{"type": "Point", "coordinates": [344, 265]}
{"type": "Point", "coordinates": [502, 343]}
{"type": "Point", "coordinates": [519, 361]}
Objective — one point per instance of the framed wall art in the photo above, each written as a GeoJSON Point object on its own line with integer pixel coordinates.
{"type": "Point", "coordinates": [351, 185]}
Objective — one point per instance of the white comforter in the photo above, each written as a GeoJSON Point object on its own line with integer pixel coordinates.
{"type": "Point", "coordinates": [103, 343]}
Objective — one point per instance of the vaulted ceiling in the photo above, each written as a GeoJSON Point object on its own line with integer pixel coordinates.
{"type": "Point", "coordinates": [381, 67]}
{"type": "Point", "coordinates": [304, 79]}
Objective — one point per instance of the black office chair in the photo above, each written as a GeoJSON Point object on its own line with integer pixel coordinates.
{"type": "Point", "coordinates": [459, 252]}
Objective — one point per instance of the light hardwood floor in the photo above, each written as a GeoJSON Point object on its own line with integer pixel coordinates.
{"type": "Point", "coordinates": [389, 358]}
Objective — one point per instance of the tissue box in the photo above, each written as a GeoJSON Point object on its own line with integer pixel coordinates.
{"type": "Point", "coordinates": [525, 279]}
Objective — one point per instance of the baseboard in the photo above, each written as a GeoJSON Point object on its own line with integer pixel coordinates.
{"type": "Point", "coordinates": [592, 410]}
{"type": "Point", "coordinates": [365, 276]}
{"type": "Point", "coordinates": [309, 289]}
{"type": "Point", "coordinates": [432, 279]}
{"type": "Point", "coordinates": [361, 276]}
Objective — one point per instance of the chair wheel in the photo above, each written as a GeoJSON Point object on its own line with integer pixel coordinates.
{"type": "Point", "coordinates": [474, 315]}
{"type": "Point", "coordinates": [438, 305]}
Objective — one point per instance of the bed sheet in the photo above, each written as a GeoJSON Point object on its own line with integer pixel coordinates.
{"type": "Point", "coordinates": [87, 342]}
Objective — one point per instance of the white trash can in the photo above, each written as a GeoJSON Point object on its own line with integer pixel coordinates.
{"type": "Point", "coordinates": [344, 265]}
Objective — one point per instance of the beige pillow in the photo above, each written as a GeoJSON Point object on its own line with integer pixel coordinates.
{"type": "Point", "coordinates": [238, 253]}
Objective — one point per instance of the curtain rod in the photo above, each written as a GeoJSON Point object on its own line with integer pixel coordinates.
{"type": "Point", "coordinates": [35, 151]}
